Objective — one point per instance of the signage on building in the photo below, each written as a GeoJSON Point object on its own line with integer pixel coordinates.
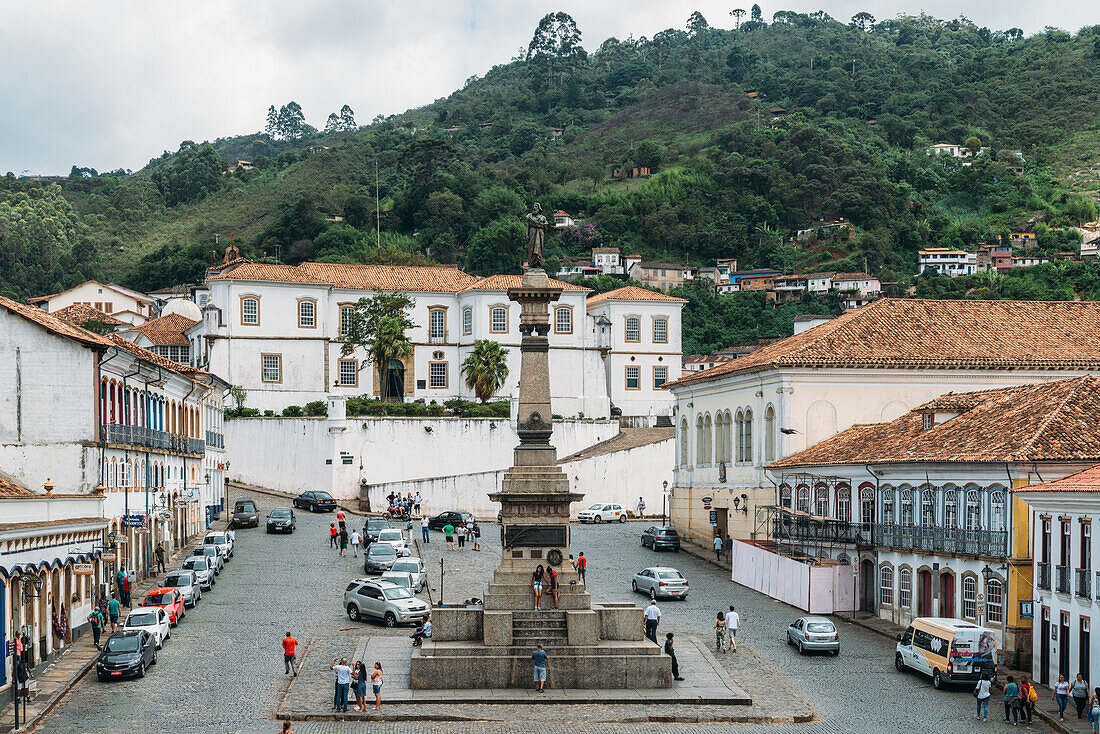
{"type": "Point", "coordinates": [714, 518]}
{"type": "Point", "coordinates": [82, 569]}
{"type": "Point", "coordinates": [109, 557]}
{"type": "Point", "coordinates": [1027, 610]}
{"type": "Point", "coordinates": [133, 521]}
{"type": "Point", "coordinates": [708, 500]}
{"type": "Point", "coordinates": [10, 649]}
{"type": "Point", "coordinates": [981, 597]}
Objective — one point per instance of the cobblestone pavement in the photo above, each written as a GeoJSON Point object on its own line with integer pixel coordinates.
{"type": "Point", "coordinates": [222, 670]}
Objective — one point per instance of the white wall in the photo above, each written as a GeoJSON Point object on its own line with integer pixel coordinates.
{"type": "Point", "coordinates": [623, 476]}
{"type": "Point", "coordinates": [813, 589]}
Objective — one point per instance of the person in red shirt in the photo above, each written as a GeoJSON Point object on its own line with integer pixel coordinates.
{"type": "Point", "coordinates": [289, 658]}
{"type": "Point", "coordinates": [332, 533]}
{"type": "Point", "coordinates": [582, 566]}
{"type": "Point", "coordinates": [340, 517]}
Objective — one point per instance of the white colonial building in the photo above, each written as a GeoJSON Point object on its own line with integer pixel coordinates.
{"type": "Point", "coordinates": [276, 331]}
{"type": "Point", "coordinates": [122, 303]}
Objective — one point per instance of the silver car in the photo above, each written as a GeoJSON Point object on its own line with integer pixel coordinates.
{"type": "Point", "coordinates": [222, 542]}
{"type": "Point", "coordinates": [391, 603]}
{"type": "Point", "coordinates": [660, 581]}
{"type": "Point", "coordinates": [814, 633]}
{"type": "Point", "coordinates": [415, 568]}
{"type": "Point", "coordinates": [203, 568]}
{"type": "Point", "coordinates": [211, 552]}
{"type": "Point", "coordinates": [188, 584]}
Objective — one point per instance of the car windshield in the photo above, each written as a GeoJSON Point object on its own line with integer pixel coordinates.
{"type": "Point", "coordinates": [390, 535]}
{"type": "Point", "coordinates": [400, 593]}
{"type": "Point", "coordinates": [247, 507]}
{"type": "Point", "coordinates": [596, 507]}
{"type": "Point", "coordinates": [377, 525]}
{"type": "Point", "coordinates": [122, 644]}
{"type": "Point", "coordinates": [147, 619]}
{"type": "Point", "coordinates": [669, 575]}
{"type": "Point", "coordinates": [406, 567]}
{"type": "Point", "coordinates": [280, 514]}
{"type": "Point", "coordinates": [176, 580]}
{"type": "Point", "coordinates": [819, 627]}
{"type": "Point", "coordinates": [154, 600]}
{"type": "Point", "coordinates": [194, 565]}
{"type": "Point", "coordinates": [401, 579]}
{"type": "Point", "coordinates": [381, 550]}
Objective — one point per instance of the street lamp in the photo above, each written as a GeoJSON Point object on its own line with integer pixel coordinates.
{"type": "Point", "coordinates": [664, 499]}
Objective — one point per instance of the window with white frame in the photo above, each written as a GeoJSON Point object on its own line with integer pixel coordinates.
{"type": "Point", "coordinates": [821, 501]}
{"type": "Point", "coordinates": [994, 601]}
{"type": "Point", "coordinates": [250, 311]}
{"type": "Point", "coordinates": [633, 329]}
{"type": "Point", "coordinates": [784, 495]}
{"type": "Point", "coordinates": [997, 510]}
{"type": "Point", "coordinates": [973, 510]}
{"type": "Point", "coordinates": [844, 504]}
{"type": "Point", "coordinates": [307, 314]}
{"type": "Point", "coordinates": [660, 330]}
{"type": "Point", "coordinates": [769, 434]}
{"type": "Point", "coordinates": [272, 365]}
{"type": "Point", "coordinates": [467, 321]}
{"type": "Point", "coordinates": [700, 448]}
{"type": "Point", "coordinates": [633, 377]}
{"type": "Point", "coordinates": [905, 588]}
{"type": "Point", "coordinates": [498, 320]}
{"type": "Point", "coordinates": [437, 375]}
{"type": "Point", "coordinates": [906, 506]}
{"type": "Point", "coordinates": [802, 496]}
{"type": "Point", "coordinates": [176, 353]}
{"type": "Point", "coordinates": [867, 505]}
{"type": "Point", "coordinates": [970, 597]}
{"type": "Point", "coordinates": [348, 372]}
{"type": "Point", "coordinates": [563, 320]}
{"type": "Point", "coordinates": [888, 506]}
{"type": "Point", "coordinates": [660, 377]}
{"type": "Point", "coordinates": [928, 508]}
{"type": "Point", "coordinates": [886, 585]}
{"type": "Point", "coordinates": [345, 319]}
{"type": "Point", "coordinates": [437, 323]}
{"type": "Point", "coordinates": [951, 509]}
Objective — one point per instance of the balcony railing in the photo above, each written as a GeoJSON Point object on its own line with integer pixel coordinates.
{"type": "Point", "coordinates": [1084, 582]}
{"type": "Point", "coordinates": [438, 337]}
{"type": "Point", "coordinates": [942, 540]}
{"type": "Point", "coordinates": [1097, 585]}
{"type": "Point", "coordinates": [1061, 580]}
{"type": "Point", "coordinates": [152, 438]}
{"type": "Point", "coordinates": [1043, 579]}
{"type": "Point", "coordinates": [795, 529]}
{"type": "Point", "coordinates": [215, 439]}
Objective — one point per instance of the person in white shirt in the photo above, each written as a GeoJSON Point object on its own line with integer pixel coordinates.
{"type": "Point", "coordinates": [733, 624]}
{"type": "Point", "coordinates": [404, 553]}
{"type": "Point", "coordinates": [982, 692]}
{"type": "Point", "coordinates": [652, 619]}
{"type": "Point", "coordinates": [356, 540]}
{"type": "Point", "coordinates": [416, 503]}
{"type": "Point", "coordinates": [424, 529]}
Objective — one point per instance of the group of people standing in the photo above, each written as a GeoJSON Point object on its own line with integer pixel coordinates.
{"type": "Point", "coordinates": [348, 677]}
{"type": "Point", "coordinates": [466, 531]}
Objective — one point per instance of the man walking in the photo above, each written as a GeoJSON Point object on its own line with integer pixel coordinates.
{"type": "Point", "coordinates": [112, 612]}
{"type": "Point", "coordinates": [582, 566]}
{"type": "Point", "coordinates": [733, 623]}
{"type": "Point", "coordinates": [477, 536]}
{"type": "Point", "coordinates": [416, 503]}
{"type": "Point", "coordinates": [718, 547]}
{"type": "Point", "coordinates": [641, 507]}
{"type": "Point", "coordinates": [652, 619]}
{"type": "Point", "coordinates": [160, 558]}
{"type": "Point", "coordinates": [424, 529]}
{"type": "Point", "coordinates": [127, 587]}
{"type": "Point", "coordinates": [729, 547]}
{"type": "Point", "coordinates": [343, 541]}
{"type": "Point", "coordinates": [290, 660]}
{"type": "Point", "coordinates": [672, 654]}
{"type": "Point", "coordinates": [538, 657]}
{"type": "Point", "coordinates": [449, 535]}
{"type": "Point", "coordinates": [340, 518]}
{"type": "Point", "coordinates": [97, 621]}
{"type": "Point", "coordinates": [356, 539]}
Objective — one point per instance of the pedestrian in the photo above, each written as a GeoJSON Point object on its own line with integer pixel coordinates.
{"type": "Point", "coordinates": [652, 619]}
{"type": "Point", "coordinates": [1028, 697]}
{"type": "Point", "coordinates": [718, 547]}
{"type": "Point", "coordinates": [554, 586]}
{"type": "Point", "coordinates": [477, 536]}
{"type": "Point", "coordinates": [112, 612]}
{"type": "Point", "coordinates": [536, 584]}
{"type": "Point", "coordinates": [356, 541]}
{"type": "Point", "coordinates": [343, 682]}
{"type": "Point", "coordinates": [290, 659]}
{"type": "Point", "coordinates": [376, 684]}
{"type": "Point", "coordinates": [424, 529]}
{"type": "Point", "coordinates": [728, 546]}
{"type": "Point", "coordinates": [332, 533]}
{"type": "Point", "coordinates": [404, 552]}
{"type": "Point", "coordinates": [286, 728]}
{"type": "Point", "coordinates": [1080, 693]}
{"type": "Point", "coordinates": [359, 682]}
{"type": "Point", "coordinates": [461, 535]}
{"type": "Point", "coordinates": [160, 558]}
{"type": "Point", "coordinates": [470, 532]}
{"type": "Point", "coordinates": [720, 635]}
{"type": "Point", "coordinates": [128, 588]}
{"type": "Point", "coordinates": [1060, 694]}
{"type": "Point", "coordinates": [96, 620]}
{"type": "Point", "coordinates": [22, 676]}
{"type": "Point", "coordinates": [449, 535]}
{"type": "Point", "coordinates": [1012, 701]}
{"type": "Point", "coordinates": [340, 518]}
{"type": "Point", "coordinates": [416, 503]}
{"type": "Point", "coordinates": [582, 567]}
{"type": "Point", "coordinates": [733, 625]}
{"type": "Point", "coordinates": [539, 658]}
{"type": "Point", "coordinates": [982, 692]}
{"type": "Point", "coordinates": [423, 631]}
{"type": "Point", "coordinates": [672, 654]}
{"type": "Point", "coordinates": [1094, 711]}
{"type": "Point", "coordinates": [343, 541]}
{"type": "Point", "coordinates": [641, 507]}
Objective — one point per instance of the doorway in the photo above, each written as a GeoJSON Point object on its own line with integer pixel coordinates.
{"type": "Point", "coordinates": [395, 382]}
{"type": "Point", "coordinates": [867, 585]}
{"type": "Point", "coordinates": [1083, 641]}
{"type": "Point", "coordinates": [1063, 645]}
{"type": "Point", "coordinates": [924, 604]}
{"type": "Point", "coordinates": [947, 595]}
{"type": "Point", "coordinates": [1044, 647]}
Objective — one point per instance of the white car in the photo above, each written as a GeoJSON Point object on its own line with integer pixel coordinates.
{"type": "Point", "coordinates": [222, 542]}
{"type": "Point", "coordinates": [394, 537]}
{"type": "Point", "coordinates": [153, 620]}
{"type": "Point", "coordinates": [415, 568]}
{"type": "Point", "coordinates": [602, 513]}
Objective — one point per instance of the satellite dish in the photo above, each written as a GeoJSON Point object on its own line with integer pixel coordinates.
{"type": "Point", "coordinates": [183, 307]}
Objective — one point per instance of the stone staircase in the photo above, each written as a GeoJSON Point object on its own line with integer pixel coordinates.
{"type": "Point", "coordinates": [539, 628]}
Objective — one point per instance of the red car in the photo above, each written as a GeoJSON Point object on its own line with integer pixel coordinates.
{"type": "Point", "coordinates": [168, 599]}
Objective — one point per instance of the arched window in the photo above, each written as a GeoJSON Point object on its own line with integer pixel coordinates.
{"type": "Point", "coordinates": [740, 430]}
{"type": "Point", "coordinates": [250, 311]}
{"type": "Point", "coordinates": [748, 437]}
{"type": "Point", "coordinates": [307, 314]}
{"type": "Point", "coordinates": [563, 320]}
{"type": "Point", "coordinates": [706, 439]}
{"type": "Point", "coordinates": [784, 495]}
{"type": "Point", "coordinates": [803, 498]}
{"type": "Point", "coordinates": [700, 445]}
{"type": "Point", "coordinates": [951, 509]}
{"type": "Point", "coordinates": [970, 597]}
{"type": "Point", "coordinates": [821, 500]}
{"type": "Point", "coordinates": [467, 321]}
{"type": "Point", "coordinates": [998, 512]}
{"type": "Point", "coordinates": [684, 442]}
{"type": "Point", "coordinates": [906, 506]}
{"type": "Point", "coordinates": [844, 504]}
{"type": "Point", "coordinates": [888, 506]}
{"type": "Point", "coordinates": [905, 588]}
{"type": "Point", "coordinates": [973, 510]}
{"type": "Point", "coordinates": [866, 505]}
{"type": "Point", "coordinates": [886, 585]}
{"type": "Point", "coordinates": [994, 601]}
{"type": "Point", "coordinates": [928, 507]}
{"type": "Point", "coordinates": [769, 434]}
{"type": "Point", "coordinates": [498, 320]}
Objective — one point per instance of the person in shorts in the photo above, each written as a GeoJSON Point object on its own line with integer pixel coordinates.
{"type": "Point", "coordinates": [461, 532]}
{"type": "Point", "coordinates": [112, 612]}
{"type": "Point", "coordinates": [536, 585]}
{"type": "Point", "coordinates": [538, 657]}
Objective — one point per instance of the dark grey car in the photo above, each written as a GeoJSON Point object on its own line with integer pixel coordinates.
{"type": "Point", "coordinates": [127, 654]}
{"type": "Point", "coordinates": [665, 538]}
{"type": "Point", "coordinates": [245, 514]}
{"type": "Point", "coordinates": [379, 557]}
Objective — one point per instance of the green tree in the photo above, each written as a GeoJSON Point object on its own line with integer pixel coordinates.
{"type": "Point", "coordinates": [486, 368]}
{"type": "Point", "coordinates": [863, 20]}
{"type": "Point", "coordinates": [499, 247]}
{"type": "Point", "coordinates": [737, 14]}
{"type": "Point", "coordinates": [973, 144]}
{"type": "Point", "coordinates": [378, 325]}
{"type": "Point", "coordinates": [193, 173]}
{"type": "Point", "coordinates": [239, 395]}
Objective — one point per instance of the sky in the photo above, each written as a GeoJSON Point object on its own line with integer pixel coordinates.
{"type": "Point", "coordinates": [113, 83]}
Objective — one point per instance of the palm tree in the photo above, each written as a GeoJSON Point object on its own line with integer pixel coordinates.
{"type": "Point", "coordinates": [390, 343]}
{"type": "Point", "coordinates": [486, 368]}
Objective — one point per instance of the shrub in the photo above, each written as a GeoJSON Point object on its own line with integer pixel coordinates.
{"type": "Point", "coordinates": [435, 410]}
{"type": "Point", "coordinates": [269, 414]}
{"type": "Point", "coordinates": [293, 411]}
{"type": "Point", "coordinates": [316, 407]}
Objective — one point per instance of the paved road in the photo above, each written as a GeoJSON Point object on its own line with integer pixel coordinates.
{"type": "Point", "coordinates": [222, 669]}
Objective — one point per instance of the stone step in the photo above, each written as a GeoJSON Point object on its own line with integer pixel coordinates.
{"type": "Point", "coordinates": [553, 648]}
{"type": "Point", "coordinates": [533, 625]}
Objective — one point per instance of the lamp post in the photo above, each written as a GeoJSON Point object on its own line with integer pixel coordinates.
{"type": "Point", "coordinates": [664, 500]}
{"type": "Point", "coordinates": [987, 574]}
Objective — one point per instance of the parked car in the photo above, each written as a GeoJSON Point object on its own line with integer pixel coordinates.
{"type": "Point", "coordinates": [188, 584]}
{"type": "Point", "coordinates": [153, 620]}
{"type": "Point", "coordinates": [281, 520]}
{"type": "Point", "coordinates": [373, 527]}
{"type": "Point", "coordinates": [391, 603]}
{"type": "Point", "coordinates": [379, 557]}
{"type": "Point", "coordinates": [168, 599]}
{"type": "Point", "coordinates": [315, 502]}
{"type": "Point", "coordinates": [660, 581]}
{"type": "Point", "coordinates": [399, 578]}
{"type": "Point", "coordinates": [222, 542]}
{"type": "Point", "coordinates": [813, 633]}
{"type": "Point", "coordinates": [203, 568]}
{"type": "Point", "coordinates": [415, 568]}
{"type": "Point", "coordinates": [245, 514]}
{"type": "Point", "coordinates": [602, 513]}
{"type": "Point", "coordinates": [213, 554]}
{"type": "Point", "coordinates": [394, 537]}
{"type": "Point", "coordinates": [663, 538]}
{"type": "Point", "coordinates": [127, 653]}
{"type": "Point", "coordinates": [449, 518]}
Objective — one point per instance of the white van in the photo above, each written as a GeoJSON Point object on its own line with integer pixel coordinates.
{"type": "Point", "coordinates": [949, 650]}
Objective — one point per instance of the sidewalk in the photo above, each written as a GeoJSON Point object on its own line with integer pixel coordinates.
{"type": "Point", "coordinates": [56, 677]}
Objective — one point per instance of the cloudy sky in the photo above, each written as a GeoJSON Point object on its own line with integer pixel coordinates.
{"type": "Point", "coordinates": [112, 83]}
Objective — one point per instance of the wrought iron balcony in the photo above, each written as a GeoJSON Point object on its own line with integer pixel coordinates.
{"type": "Point", "coordinates": [802, 529]}
{"type": "Point", "coordinates": [1042, 579]}
{"type": "Point", "coordinates": [1084, 582]}
{"type": "Point", "coordinates": [942, 540]}
{"type": "Point", "coordinates": [151, 438]}
{"type": "Point", "coordinates": [1061, 580]}
{"type": "Point", "coordinates": [215, 439]}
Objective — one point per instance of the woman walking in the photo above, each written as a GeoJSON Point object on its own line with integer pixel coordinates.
{"type": "Point", "coordinates": [536, 584]}
{"type": "Point", "coordinates": [1060, 694]}
{"type": "Point", "coordinates": [982, 693]}
{"type": "Point", "coordinates": [1012, 701]}
{"type": "Point", "coordinates": [1094, 711]}
{"type": "Point", "coordinates": [376, 683]}
{"type": "Point", "coordinates": [1028, 697]}
{"type": "Point", "coordinates": [1080, 693]}
{"type": "Point", "coordinates": [554, 586]}
{"type": "Point", "coordinates": [720, 633]}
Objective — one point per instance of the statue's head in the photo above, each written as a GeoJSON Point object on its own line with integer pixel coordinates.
{"type": "Point", "coordinates": [537, 208]}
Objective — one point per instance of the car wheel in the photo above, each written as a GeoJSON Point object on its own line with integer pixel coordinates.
{"type": "Point", "coordinates": [801, 650]}
{"type": "Point", "coordinates": [899, 664]}
{"type": "Point", "coordinates": [168, 634]}
{"type": "Point", "coordinates": [634, 586]}
{"type": "Point", "coordinates": [390, 619]}
{"type": "Point", "coordinates": [597, 519]}
{"type": "Point", "coordinates": [836, 653]}
{"type": "Point", "coordinates": [622, 518]}
{"type": "Point", "coordinates": [937, 680]}
{"type": "Point", "coordinates": [353, 613]}
{"type": "Point", "coordinates": [141, 671]}
{"type": "Point", "coordinates": [160, 644]}
{"type": "Point", "coordinates": [313, 508]}
{"type": "Point", "coordinates": [652, 593]}
{"type": "Point", "coordinates": [790, 642]}
{"type": "Point", "coordinates": [154, 660]}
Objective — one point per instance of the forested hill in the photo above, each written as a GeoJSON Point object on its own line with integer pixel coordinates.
{"type": "Point", "coordinates": [859, 102]}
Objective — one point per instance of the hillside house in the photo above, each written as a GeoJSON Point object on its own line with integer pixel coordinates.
{"type": "Point", "coordinates": [563, 219]}
{"type": "Point", "coordinates": [122, 303]}
{"type": "Point", "coordinates": [608, 260]}
{"type": "Point", "coordinates": [947, 261]}
{"type": "Point", "coordinates": [665, 276]}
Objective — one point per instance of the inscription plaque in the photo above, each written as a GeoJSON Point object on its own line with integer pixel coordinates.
{"type": "Point", "coordinates": [528, 536]}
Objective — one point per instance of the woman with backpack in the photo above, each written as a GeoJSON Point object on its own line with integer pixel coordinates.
{"type": "Point", "coordinates": [1028, 697]}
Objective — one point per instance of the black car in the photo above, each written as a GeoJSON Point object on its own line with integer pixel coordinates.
{"type": "Point", "coordinates": [281, 520]}
{"type": "Point", "coordinates": [370, 530]}
{"type": "Point", "coordinates": [127, 653]}
{"type": "Point", "coordinates": [245, 514]}
{"type": "Point", "coordinates": [449, 518]}
{"type": "Point", "coordinates": [315, 501]}
{"type": "Point", "coordinates": [661, 539]}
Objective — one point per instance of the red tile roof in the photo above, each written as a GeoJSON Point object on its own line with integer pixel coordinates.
{"type": "Point", "coordinates": [504, 282]}
{"type": "Point", "coordinates": [853, 276]}
{"type": "Point", "coordinates": [1086, 480]}
{"type": "Point", "coordinates": [633, 293]}
{"type": "Point", "coordinates": [931, 334]}
{"type": "Point", "coordinates": [1050, 421]}
{"type": "Point", "coordinates": [166, 330]}
{"type": "Point", "coordinates": [51, 323]}
{"type": "Point", "coordinates": [11, 490]}
{"type": "Point", "coordinates": [143, 353]}
{"type": "Point", "coordinates": [79, 314]}
{"type": "Point", "coordinates": [355, 276]}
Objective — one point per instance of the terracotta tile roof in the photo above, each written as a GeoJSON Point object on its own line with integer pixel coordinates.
{"type": "Point", "coordinates": [142, 352]}
{"type": "Point", "coordinates": [633, 293]}
{"type": "Point", "coordinates": [79, 314]}
{"type": "Point", "coordinates": [931, 334]}
{"type": "Point", "coordinates": [355, 276]}
{"type": "Point", "coordinates": [1086, 480]}
{"type": "Point", "coordinates": [853, 276]}
{"type": "Point", "coordinates": [1050, 421]}
{"type": "Point", "coordinates": [11, 490]}
{"type": "Point", "coordinates": [627, 438]}
{"type": "Point", "coordinates": [51, 323]}
{"type": "Point", "coordinates": [504, 282]}
{"type": "Point", "coordinates": [605, 250]}
{"type": "Point", "coordinates": [166, 329]}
